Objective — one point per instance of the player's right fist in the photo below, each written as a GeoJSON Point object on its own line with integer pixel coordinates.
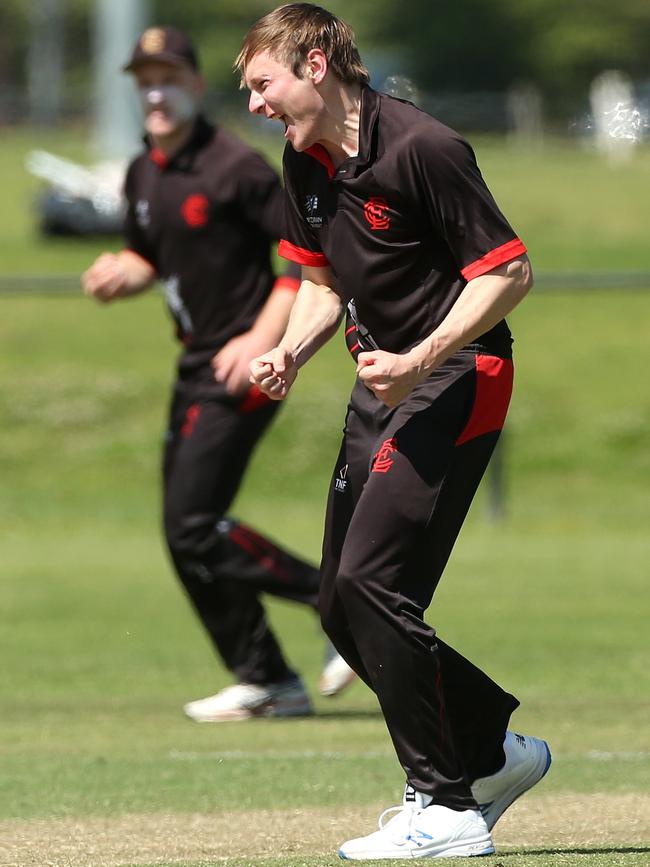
{"type": "Point", "coordinates": [106, 279]}
{"type": "Point", "coordinates": [274, 373]}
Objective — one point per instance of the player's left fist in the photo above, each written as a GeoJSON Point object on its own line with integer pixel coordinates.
{"type": "Point", "coordinates": [390, 377]}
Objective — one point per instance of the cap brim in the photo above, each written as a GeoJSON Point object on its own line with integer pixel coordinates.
{"type": "Point", "coordinates": [163, 57]}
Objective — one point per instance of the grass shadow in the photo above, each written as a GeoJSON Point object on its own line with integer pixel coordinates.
{"type": "Point", "coordinates": [351, 713]}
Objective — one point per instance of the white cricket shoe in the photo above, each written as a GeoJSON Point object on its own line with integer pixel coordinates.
{"type": "Point", "coordinates": [527, 760]}
{"type": "Point", "coordinates": [336, 674]}
{"type": "Point", "coordinates": [419, 831]}
{"type": "Point", "coordinates": [243, 701]}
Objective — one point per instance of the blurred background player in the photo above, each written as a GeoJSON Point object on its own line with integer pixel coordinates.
{"type": "Point", "coordinates": [203, 211]}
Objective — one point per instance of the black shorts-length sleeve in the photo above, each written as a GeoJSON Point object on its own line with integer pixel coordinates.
{"type": "Point", "coordinates": [259, 195]}
{"type": "Point", "coordinates": [134, 237]}
{"type": "Point", "coordinates": [460, 206]}
{"type": "Point", "coordinates": [299, 243]}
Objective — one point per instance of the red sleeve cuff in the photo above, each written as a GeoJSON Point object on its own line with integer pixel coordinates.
{"type": "Point", "coordinates": [301, 256]}
{"type": "Point", "coordinates": [494, 258]}
{"type": "Point", "coordinates": [284, 282]}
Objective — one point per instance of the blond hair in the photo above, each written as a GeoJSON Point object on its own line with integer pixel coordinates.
{"type": "Point", "coordinates": [290, 32]}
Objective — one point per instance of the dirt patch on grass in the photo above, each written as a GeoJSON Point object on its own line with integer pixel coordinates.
{"type": "Point", "coordinates": [567, 821]}
{"type": "Point", "coordinates": [553, 821]}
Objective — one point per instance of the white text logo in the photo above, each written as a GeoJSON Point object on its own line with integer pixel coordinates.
{"type": "Point", "coordinates": [340, 483]}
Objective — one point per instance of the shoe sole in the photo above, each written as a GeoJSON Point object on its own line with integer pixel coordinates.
{"type": "Point", "coordinates": [463, 849]}
{"type": "Point", "coordinates": [297, 707]}
{"type": "Point", "coordinates": [223, 716]}
{"type": "Point", "coordinates": [493, 812]}
{"type": "Point", "coordinates": [329, 691]}
{"type": "Point", "coordinates": [264, 711]}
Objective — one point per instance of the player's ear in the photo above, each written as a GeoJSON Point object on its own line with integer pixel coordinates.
{"type": "Point", "coordinates": [316, 65]}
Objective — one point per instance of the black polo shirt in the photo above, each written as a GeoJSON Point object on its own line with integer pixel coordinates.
{"type": "Point", "coordinates": [205, 220]}
{"type": "Point", "coordinates": [404, 225]}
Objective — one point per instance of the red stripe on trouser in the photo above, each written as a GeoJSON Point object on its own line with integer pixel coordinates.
{"type": "Point", "coordinates": [191, 418]}
{"type": "Point", "coordinates": [494, 377]}
{"type": "Point", "coordinates": [260, 550]}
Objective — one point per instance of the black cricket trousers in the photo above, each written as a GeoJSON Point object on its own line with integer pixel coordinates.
{"type": "Point", "coordinates": [223, 564]}
{"type": "Point", "coordinates": [401, 489]}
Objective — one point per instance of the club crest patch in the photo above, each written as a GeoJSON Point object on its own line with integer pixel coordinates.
{"type": "Point", "coordinates": [196, 210]}
{"type": "Point", "coordinates": [153, 40]}
{"type": "Point", "coordinates": [383, 460]}
{"type": "Point", "coordinates": [375, 210]}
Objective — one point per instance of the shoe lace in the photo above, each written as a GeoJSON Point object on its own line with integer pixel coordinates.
{"type": "Point", "coordinates": [380, 822]}
{"type": "Point", "coordinates": [400, 824]}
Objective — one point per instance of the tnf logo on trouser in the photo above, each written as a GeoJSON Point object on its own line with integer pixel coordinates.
{"type": "Point", "coordinates": [340, 481]}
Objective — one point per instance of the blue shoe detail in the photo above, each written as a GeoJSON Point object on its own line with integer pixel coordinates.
{"type": "Point", "coordinates": [421, 835]}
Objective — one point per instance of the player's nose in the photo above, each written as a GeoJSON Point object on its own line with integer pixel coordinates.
{"type": "Point", "coordinates": [255, 103]}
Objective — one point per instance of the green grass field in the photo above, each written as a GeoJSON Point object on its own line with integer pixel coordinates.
{"type": "Point", "coordinates": [100, 650]}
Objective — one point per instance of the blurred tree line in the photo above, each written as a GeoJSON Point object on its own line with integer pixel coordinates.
{"type": "Point", "coordinates": [443, 45]}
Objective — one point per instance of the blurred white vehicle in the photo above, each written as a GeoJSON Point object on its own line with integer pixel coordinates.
{"type": "Point", "coordinates": [79, 200]}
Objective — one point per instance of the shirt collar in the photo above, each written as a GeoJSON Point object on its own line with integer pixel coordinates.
{"type": "Point", "coordinates": [184, 158]}
{"type": "Point", "coordinates": [368, 118]}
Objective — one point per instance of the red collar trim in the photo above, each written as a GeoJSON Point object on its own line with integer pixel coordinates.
{"type": "Point", "coordinates": [158, 157]}
{"type": "Point", "coordinates": [319, 153]}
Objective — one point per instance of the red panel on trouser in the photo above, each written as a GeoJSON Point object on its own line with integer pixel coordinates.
{"type": "Point", "coordinates": [253, 399]}
{"type": "Point", "coordinates": [494, 378]}
{"type": "Point", "coordinates": [191, 418]}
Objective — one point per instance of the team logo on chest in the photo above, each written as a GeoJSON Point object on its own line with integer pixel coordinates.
{"type": "Point", "coordinates": [376, 213]}
{"type": "Point", "coordinates": [142, 215]}
{"type": "Point", "coordinates": [311, 207]}
{"type": "Point", "coordinates": [196, 210]}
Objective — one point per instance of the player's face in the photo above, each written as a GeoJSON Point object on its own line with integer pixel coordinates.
{"type": "Point", "coordinates": [278, 94]}
{"type": "Point", "coordinates": [170, 97]}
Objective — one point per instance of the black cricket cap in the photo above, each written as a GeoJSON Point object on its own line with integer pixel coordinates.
{"type": "Point", "coordinates": [164, 45]}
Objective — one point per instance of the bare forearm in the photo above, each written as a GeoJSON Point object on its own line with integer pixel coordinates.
{"type": "Point", "coordinates": [314, 319]}
{"type": "Point", "coordinates": [484, 302]}
{"type": "Point", "coordinates": [138, 273]}
{"type": "Point", "coordinates": [273, 318]}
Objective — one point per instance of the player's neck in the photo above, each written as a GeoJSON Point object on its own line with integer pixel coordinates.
{"type": "Point", "coordinates": [171, 144]}
{"type": "Point", "coordinates": [341, 126]}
